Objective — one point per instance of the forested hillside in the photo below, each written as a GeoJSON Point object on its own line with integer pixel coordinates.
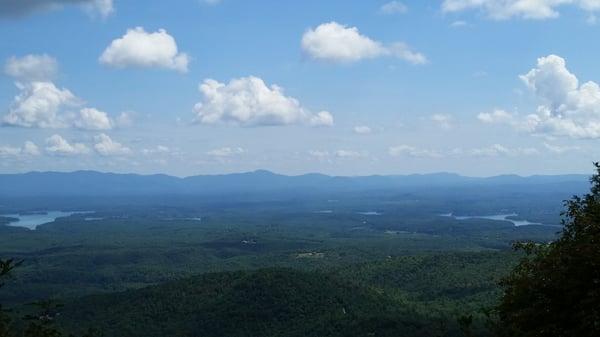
{"type": "Point", "coordinates": [408, 296]}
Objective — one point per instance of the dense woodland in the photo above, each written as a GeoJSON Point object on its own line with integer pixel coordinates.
{"type": "Point", "coordinates": [377, 263]}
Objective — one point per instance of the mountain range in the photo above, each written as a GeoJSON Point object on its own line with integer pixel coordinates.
{"type": "Point", "coordinates": [93, 183]}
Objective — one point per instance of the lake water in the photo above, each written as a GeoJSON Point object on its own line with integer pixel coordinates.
{"type": "Point", "coordinates": [497, 217]}
{"type": "Point", "coordinates": [32, 221]}
{"type": "Point", "coordinates": [369, 213]}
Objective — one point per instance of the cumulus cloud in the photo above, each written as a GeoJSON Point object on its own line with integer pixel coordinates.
{"type": "Point", "coordinates": [57, 145]}
{"type": "Point", "coordinates": [496, 116]}
{"type": "Point", "coordinates": [124, 119]}
{"type": "Point", "coordinates": [339, 43]}
{"type": "Point", "coordinates": [495, 150]}
{"type": "Point", "coordinates": [559, 149]}
{"type": "Point", "coordinates": [105, 146]}
{"type": "Point", "coordinates": [342, 154]}
{"type": "Point", "coordinates": [9, 151]}
{"type": "Point", "coordinates": [319, 154]}
{"type": "Point", "coordinates": [567, 107]}
{"type": "Point", "coordinates": [39, 105]}
{"type": "Point", "coordinates": [31, 67]}
{"type": "Point", "coordinates": [525, 9]}
{"type": "Point", "coordinates": [28, 149]}
{"type": "Point", "coordinates": [226, 152]}
{"type": "Point", "coordinates": [159, 149]}
{"type": "Point", "coordinates": [442, 120]}
{"type": "Point", "coordinates": [93, 119]}
{"type": "Point", "coordinates": [102, 7]}
{"type": "Point", "coordinates": [459, 24]}
{"type": "Point", "coordinates": [349, 154]}
{"type": "Point", "coordinates": [321, 118]}
{"type": "Point", "coordinates": [362, 130]}
{"type": "Point", "coordinates": [393, 7]}
{"type": "Point", "coordinates": [500, 150]}
{"type": "Point", "coordinates": [16, 8]}
{"type": "Point", "coordinates": [138, 48]}
{"type": "Point", "coordinates": [248, 101]}
{"type": "Point", "coordinates": [44, 105]}
{"type": "Point", "coordinates": [411, 151]}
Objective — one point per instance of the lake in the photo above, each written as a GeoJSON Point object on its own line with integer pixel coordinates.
{"type": "Point", "coordinates": [369, 213]}
{"type": "Point", "coordinates": [497, 217]}
{"type": "Point", "coordinates": [32, 221]}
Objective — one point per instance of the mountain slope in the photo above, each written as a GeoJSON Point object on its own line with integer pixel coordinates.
{"type": "Point", "coordinates": [270, 302]}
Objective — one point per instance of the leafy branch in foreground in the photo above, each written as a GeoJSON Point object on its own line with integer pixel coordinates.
{"type": "Point", "coordinates": [41, 324]}
{"type": "Point", "coordinates": [6, 267]}
{"type": "Point", "coordinates": [555, 289]}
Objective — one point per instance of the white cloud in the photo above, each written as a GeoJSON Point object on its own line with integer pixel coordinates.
{"type": "Point", "coordinates": [105, 146]}
{"type": "Point", "coordinates": [525, 9]}
{"type": "Point", "coordinates": [393, 7]}
{"type": "Point", "coordinates": [551, 81]}
{"type": "Point", "coordinates": [103, 7]}
{"type": "Point", "coordinates": [567, 108]}
{"type": "Point", "coordinates": [500, 150]}
{"type": "Point", "coordinates": [349, 154]}
{"type": "Point", "coordinates": [226, 152]}
{"type": "Point", "coordinates": [495, 150]}
{"type": "Point", "coordinates": [321, 118]}
{"type": "Point", "coordinates": [57, 145]}
{"type": "Point", "coordinates": [28, 149]}
{"type": "Point", "coordinates": [319, 154]}
{"type": "Point", "coordinates": [159, 149]}
{"type": "Point", "coordinates": [124, 119]}
{"type": "Point", "coordinates": [411, 151]}
{"type": "Point", "coordinates": [93, 119]}
{"type": "Point", "coordinates": [339, 43]}
{"type": "Point", "coordinates": [496, 116]}
{"type": "Point", "coordinates": [458, 24]}
{"type": "Point", "coordinates": [9, 151]}
{"type": "Point", "coordinates": [444, 121]}
{"type": "Point", "coordinates": [362, 130]}
{"type": "Point", "coordinates": [561, 148]}
{"type": "Point", "coordinates": [141, 49]}
{"type": "Point", "coordinates": [39, 105]}
{"type": "Point", "coordinates": [248, 101]}
{"type": "Point", "coordinates": [43, 105]}
{"type": "Point", "coordinates": [31, 67]}
{"type": "Point", "coordinates": [16, 8]}
{"type": "Point", "coordinates": [342, 154]}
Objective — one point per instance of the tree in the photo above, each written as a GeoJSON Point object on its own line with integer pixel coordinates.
{"type": "Point", "coordinates": [555, 290]}
{"type": "Point", "coordinates": [6, 267]}
{"type": "Point", "coordinates": [41, 324]}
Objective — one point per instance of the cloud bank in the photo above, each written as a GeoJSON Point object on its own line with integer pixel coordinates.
{"type": "Point", "coordinates": [525, 9]}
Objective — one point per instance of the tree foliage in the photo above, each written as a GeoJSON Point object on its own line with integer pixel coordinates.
{"type": "Point", "coordinates": [555, 290]}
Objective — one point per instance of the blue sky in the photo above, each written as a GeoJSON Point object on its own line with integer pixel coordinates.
{"type": "Point", "coordinates": [349, 88]}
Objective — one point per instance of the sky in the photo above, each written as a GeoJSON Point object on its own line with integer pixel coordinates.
{"type": "Point", "coordinates": [186, 87]}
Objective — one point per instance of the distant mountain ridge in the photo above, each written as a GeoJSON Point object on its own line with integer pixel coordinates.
{"type": "Point", "coordinates": [94, 183]}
